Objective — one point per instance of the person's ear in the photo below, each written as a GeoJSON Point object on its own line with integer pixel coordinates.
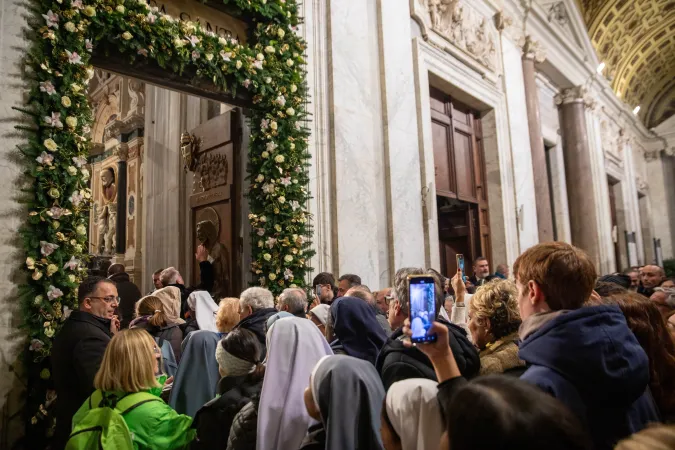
{"type": "Point", "coordinates": [536, 295]}
{"type": "Point", "coordinates": [488, 325]}
{"type": "Point", "coordinates": [86, 303]}
{"type": "Point", "coordinates": [397, 307]}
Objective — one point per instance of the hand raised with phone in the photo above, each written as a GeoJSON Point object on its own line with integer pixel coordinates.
{"type": "Point", "coordinates": [439, 352]}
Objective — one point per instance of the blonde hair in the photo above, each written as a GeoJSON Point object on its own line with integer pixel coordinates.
{"type": "Point", "coordinates": [128, 363]}
{"type": "Point", "coordinates": [497, 301]}
{"type": "Point", "coordinates": [661, 437]}
{"type": "Point", "coordinates": [228, 314]}
{"type": "Point", "coordinates": [152, 306]}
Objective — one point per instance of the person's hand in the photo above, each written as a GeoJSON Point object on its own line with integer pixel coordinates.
{"type": "Point", "coordinates": [434, 350]}
{"type": "Point", "coordinates": [458, 286]}
{"type": "Point", "coordinates": [315, 303]}
{"type": "Point", "coordinates": [114, 325]}
{"type": "Point", "coordinates": [168, 381]}
{"type": "Point", "coordinates": [202, 253]}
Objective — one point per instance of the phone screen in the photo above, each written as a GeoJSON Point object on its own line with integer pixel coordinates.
{"type": "Point", "coordinates": [460, 266]}
{"type": "Point", "coordinates": [318, 291]}
{"type": "Point", "coordinates": [422, 308]}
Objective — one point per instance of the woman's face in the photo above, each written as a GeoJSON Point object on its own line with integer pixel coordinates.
{"type": "Point", "coordinates": [479, 329]}
{"type": "Point", "coordinates": [390, 439]}
{"type": "Point", "coordinates": [668, 284]}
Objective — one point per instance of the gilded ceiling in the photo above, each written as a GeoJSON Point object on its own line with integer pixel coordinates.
{"type": "Point", "coordinates": [636, 40]}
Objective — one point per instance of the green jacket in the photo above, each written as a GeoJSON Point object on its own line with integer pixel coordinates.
{"type": "Point", "coordinates": [153, 425]}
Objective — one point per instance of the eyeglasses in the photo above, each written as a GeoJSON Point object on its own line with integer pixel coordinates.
{"type": "Point", "coordinates": [109, 299]}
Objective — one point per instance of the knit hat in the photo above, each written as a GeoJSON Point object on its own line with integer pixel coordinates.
{"type": "Point", "coordinates": [232, 365]}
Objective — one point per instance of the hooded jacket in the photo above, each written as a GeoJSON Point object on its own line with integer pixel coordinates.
{"type": "Point", "coordinates": [256, 323]}
{"type": "Point", "coordinates": [397, 362]}
{"type": "Point", "coordinates": [591, 361]}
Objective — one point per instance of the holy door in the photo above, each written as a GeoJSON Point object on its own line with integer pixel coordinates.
{"type": "Point", "coordinates": [211, 152]}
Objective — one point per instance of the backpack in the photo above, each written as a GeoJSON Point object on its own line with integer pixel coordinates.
{"type": "Point", "coordinates": [103, 426]}
{"type": "Point", "coordinates": [169, 364]}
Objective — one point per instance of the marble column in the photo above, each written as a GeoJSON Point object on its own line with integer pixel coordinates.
{"type": "Point", "coordinates": [541, 186]}
{"type": "Point", "coordinates": [122, 152]}
{"type": "Point", "coordinates": [583, 205]}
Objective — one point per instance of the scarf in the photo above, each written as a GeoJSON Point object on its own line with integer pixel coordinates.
{"type": "Point", "coordinates": [412, 409]}
{"type": "Point", "coordinates": [356, 327]}
{"type": "Point", "coordinates": [205, 308]}
{"type": "Point", "coordinates": [170, 298]}
{"type": "Point", "coordinates": [349, 394]}
{"type": "Point", "coordinates": [321, 312]}
{"type": "Point", "coordinates": [294, 346]}
{"type": "Point", "coordinates": [231, 365]}
{"type": "Point", "coordinates": [536, 321]}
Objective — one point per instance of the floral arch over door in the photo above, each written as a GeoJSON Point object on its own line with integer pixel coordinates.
{"type": "Point", "coordinates": [269, 70]}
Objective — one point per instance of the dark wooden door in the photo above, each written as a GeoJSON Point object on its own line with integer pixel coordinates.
{"type": "Point", "coordinates": [615, 222]}
{"type": "Point", "coordinates": [215, 196]}
{"type": "Point", "coordinates": [461, 184]}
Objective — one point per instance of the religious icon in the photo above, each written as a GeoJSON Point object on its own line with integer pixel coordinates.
{"type": "Point", "coordinates": [107, 216]}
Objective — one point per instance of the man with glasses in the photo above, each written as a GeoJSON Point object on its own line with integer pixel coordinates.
{"type": "Point", "coordinates": [78, 349]}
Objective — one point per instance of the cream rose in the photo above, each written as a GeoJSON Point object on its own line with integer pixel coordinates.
{"type": "Point", "coordinates": [265, 155]}
{"type": "Point", "coordinates": [290, 111]}
{"type": "Point", "coordinates": [294, 88]}
{"type": "Point", "coordinates": [120, 9]}
{"type": "Point", "coordinates": [282, 199]}
{"type": "Point", "coordinates": [65, 101]}
{"type": "Point", "coordinates": [260, 178]}
{"type": "Point", "coordinates": [288, 258]}
{"type": "Point", "coordinates": [279, 159]}
{"type": "Point", "coordinates": [289, 62]}
{"type": "Point", "coordinates": [272, 276]}
{"type": "Point", "coordinates": [56, 224]}
{"type": "Point", "coordinates": [89, 11]}
{"type": "Point", "coordinates": [37, 275]}
{"type": "Point", "coordinates": [267, 257]}
{"type": "Point", "coordinates": [126, 36]}
{"type": "Point", "coordinates": [50, 145]}
{"type": "Point", "coordinates": [238, 64]}
{"type": "Point", "coordinates": [52, 269]}
{"type": "Point", "coordinates": [71, 121]}
{"type": "Point", "coordinates": [281, 33]}
{"type": "Point", "coordinates": [81, 229]}
{"type": "Point", "coordinates": [273, 125]}
{"type": "Point", "coordinates": [70, 26]}
{"type": "Point", "coordinates": [72, 170]}
{"type": "Point", "coordinates": [30, 263]}
{"type": "Point", "coordinates": [260, 57]}
{"type": "Point", "coordinates": [54, 193]}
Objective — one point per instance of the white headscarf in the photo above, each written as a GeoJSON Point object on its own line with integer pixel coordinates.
{"type": "Point", "coordinates": [204, 307]}
{"type": "Point", "coordinates": [321, 312]}
{"type": "Point", "coordinates": [414, 413]}
{"type": "Point", "coordinates": [294, 346]}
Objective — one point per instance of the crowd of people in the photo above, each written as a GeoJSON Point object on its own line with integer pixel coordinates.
{"type": "Point", "coordinates": [552, 356]}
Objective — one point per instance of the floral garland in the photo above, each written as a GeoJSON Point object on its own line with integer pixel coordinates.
{"type": "Point", "coordinates": [271, 68]}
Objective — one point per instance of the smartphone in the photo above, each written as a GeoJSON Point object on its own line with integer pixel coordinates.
{"type": "Point", "coordinates": [422, 292]}
{"type": "Point", "coordinates": [317, 291]}
{"type": "Point", "coordinates": [460, 265]}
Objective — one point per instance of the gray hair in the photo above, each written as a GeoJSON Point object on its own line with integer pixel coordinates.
{"type": "Point", "coordinates": [670, 295]}
{"type": "Point", "coordinates": [257, 298]}
{"type": "Point", "coordinates": [295, 299]}
{"type": "Point", "coordinates": [362, 292]}
{"type": "Point", "coordinates": [402, 293]}
{"type": "Point", "coordinates": [169, 276]}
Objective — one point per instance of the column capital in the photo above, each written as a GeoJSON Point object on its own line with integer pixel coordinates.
{"type": "Point", "coordinates": [532, 49]}
{"type": "Point", "coordinates": [121, 150]}
{"type": "Point", "coordinates": [502, 21]}
{"type": "Point", "coordinates": [576, 94]}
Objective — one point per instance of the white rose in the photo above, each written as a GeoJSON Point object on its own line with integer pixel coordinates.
{"type": "Point", "coordinates": [294, 88]}
{"type": "Point", "coordinates": [71, 121]}
{"type": "Point", "coordinates": [65, 101]}
{"type": "Point", "coordinates": [178, 43]}
{"type": "Point", "coordinates": [281, 33]}
{"type": "Point", "coordinates": [290, 111]}
{"type": "Point", "coordinates": [72, 278]}
{"type": "Point", "coordinates": [70, 26]}
{"type": "Point", "coordinates": [260, 57]}
{"type": "Point", "coordinates": [37, 275]}
{"type": "Point", "coordinates": [120, 9]}
{"type": "Point", "coordinates": [282, 199]}
{"type": "Point", "coordinates": [81, 229]}
{"type": "Point", "coordinates": [292, 146]}
{"type": "Point", "coordinates": [30, 263]}
{"type": "Point", "coordinates": [52, 269]}
{"type": "Point", "coordinates": [72, 170]}
{"type": "Point", "coordinates": [267, 257]}
{"type": "Point", "coordinates": [50, 145]}
{"type": "Point", "coordinates": [288, 258]}
{"type": "Point", "coordinates": [289, 62]}
{"type": "Point", "coordinates": [269, 49]}
{"type": "Point", "coordinates": [126, 36]}
{"type": "Point", "coordinates": [238, 64]}
{"type": "Point", "coordinates": [89, 11]}
{"type": "Point", "coordinates": [260, 178]}
{"type": "Point", "coordinates": [222, 41]}
{"type": "Point", "coordinates": [85, 173]}
{"type": "Point", "coordinates": [38, 299]}
{"type": "Point", "coordinates": [273, 125]}
{"type": "Point", "coordinates": [209, 56]}
{"type": "Point", "coordinates": [265, 154]}
{"type": "Point", "coordinates": [268, 80]}
{"type": "Point", "coordinates": [279, 159]}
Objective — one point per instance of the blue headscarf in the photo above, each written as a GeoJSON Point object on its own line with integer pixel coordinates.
{"type": "Point", "coordinates": [357, 329]}
{"type": "Point", "coordinates": [277, 316]}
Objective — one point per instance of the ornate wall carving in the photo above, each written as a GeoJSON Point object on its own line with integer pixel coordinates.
{"type": "Point", "coordinates": [211, 172]}
{"type": "Point", "coordinates": [462, 26]}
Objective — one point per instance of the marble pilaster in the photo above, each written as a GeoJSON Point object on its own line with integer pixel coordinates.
{"type": "Point", "coordinates": [577, 156]}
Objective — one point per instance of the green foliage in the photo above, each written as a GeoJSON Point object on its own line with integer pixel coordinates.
{"type": "Point", "coordinates": [669, 267]}
{"type": "Point", "coordinates": [270, 67]}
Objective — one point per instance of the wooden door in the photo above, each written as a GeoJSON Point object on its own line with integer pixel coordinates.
{"type": "Point", "coordinates": [460, 177]}
{"type": "Point", "coordinates": [615, 223]}
{"type": "Point", "coordinates": [215, 194]}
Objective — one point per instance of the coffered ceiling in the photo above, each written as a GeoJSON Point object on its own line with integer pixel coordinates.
{"type": "Point", "coordinates": [636, 40]}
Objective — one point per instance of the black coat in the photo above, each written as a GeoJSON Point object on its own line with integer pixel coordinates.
{"type": "Point", "coordinates": [214, 419]}
{"type": "Point", "coordinates": [244, 431]}
{"type": "Point", "coordinates": [206, 277]}
{"type": "Point", "coordinates": [129, 294]}
{"type": "Point", "coordinates": [257, 323]}
{"type": "Point", "coordinates": [397, 362]}
{"type": "Point", "coordinates": [76, 356]}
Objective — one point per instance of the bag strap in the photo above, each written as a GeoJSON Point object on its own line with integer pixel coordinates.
{"type": "Point", "coordinates": [131, 401]}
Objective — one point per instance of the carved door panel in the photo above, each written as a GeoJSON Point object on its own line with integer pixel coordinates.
{"type": "Point", "coordinates": [215, 195]}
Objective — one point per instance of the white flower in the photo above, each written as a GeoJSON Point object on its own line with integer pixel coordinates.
{"type": "Point", "coordinates": [279, 159]}
{"type": "Point", "coordinates": [292, 145]}
{"type": "Point", "coordinates": [52, 269]}
{"type": "Point", "coordinates": [38, 299]}
{"type": "Point", "coordinates": [195, 55]}
{"type": "Point", "coordinates": [289, 62]}
{"type": "Point", "coordinates": [85, 173]}
{"type": "Point", "coordinates": [280, 100]}
{"type": "Point", "coordinates": [51, 19]}
{"type": "Point", "coordinates": [258, 65]}
{"type": "Point", "coordinates": [73, 264]}
{"type": "Point", "coordinates": [66, 312]}
{"type": "Point", "coordinates": [268, 188]}
{"type": "Point", "coordinates": [269, 49]}
{"type": "Point", "coordinates": [72, 278]}
{"type": "Point", "coordinates": [56, 224]}
{"type": "Point", "coordinates": [151, 17]}
{"type": "Point", "coordinates": [65, 101]}
{"type": "Point", "coordinates": [76, 198]}
{"type": "Point", "coordinates": [89, 11]}
{"type": "Point", "coordinates": [126, 35]}
{"type": "Point", "coordinates": [47, 248]}
{"type": "Point", "coordinates": [267, 257]}
{"type": "Point", "coordinates": [54, 193]}
{"type": "Point", "coordinates": [120, 9]}
{"type": "Point", "coordinates": [194, 40]}
{"type": "Point", "coordinates": [265, 154]}
{"type": "Point", "coordinates": [288, 258]}
{"type": "Point", "coordinates": [268, 80]}
{"type": "Point", "coordinates": [178, 42]}
{"type": "Point", "coordinates": [260, 178]}
{"type": "Point", "coordinates": [264, 124]}
{"type": "Point", "coordinates": [288, 274]}
{"type": "Point", "coordinates": [281, 33]}
{"type": "Point", "coordinates": [282, 199]}
{"type": "Point", "coordinates": [222, 41]}
{"type": "Point", "coordinates": [45, 159]}
{"type": "Point", "coordinates": [260, 57]}
{"type": "Point", "coordinates": [56, 213]}
{"type": "Point", "coordinates": [73, 57]}
{"type": "Point", "coordinates": [286, 181]}
{"type": "Point", "coordinates": [88, 45]}
{"type": "Point", "coordinates": [48, 87]}
{"type": "Point", "coordinates": [36, 275]}
{"type": "Point", "coordinates": [70, 26]}
{"type": "Point", "coordinates": [81, 230]}
{"type": "Point", "coordinates": [79, 160]}
{"type": "Point", "coordinates": [142, 51]}
{"type": "Point", "coordinates": [72, 170]}
{"type": "Point", "coordinates": [290, 111]}
{"type": "Point", "coordinates": [272, 276]}
{"type": "Point", "coordinates": [30, 263]}
{"type": "Point", "coordinates": [271, 146]}
{"type": "Point", "coordinates": [274, 125]}
{"type": "Point", "coordinates": [261, 231]}
{"type": "Point", "coordinates": [225, 55]}
{"type": "Point", "coordinates": [294, 204]}
{"type": "Point", "coordinates": [77, 4]}
{"type": "Point", "coordinates": [71, 121]}
{"type": "Point", "coordinates": [294, 88]}
{"type": "Point", "coordinates": [50, 145]}
{"type": "Point", "coordinates": [49, 332]}
{"type": "Point", "coordinates": [36, 344]}
{"type": "Point", "coordinates": [209, 56]}
{"type": "Point", "coordinates": [54, 120]}
{"type": "Point", "coordinates": [238, 64]}
{"type": "Point", "coordinates": [270, 242]}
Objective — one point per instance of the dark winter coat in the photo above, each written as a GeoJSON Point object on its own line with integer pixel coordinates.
{"type": "Point", "coordinates": [244, 431]}
{"type": "Point", "coordinates": [397, 362]}
{"type": "Point", "coordinates": [257, 323]}
{"type": "Point", "coordinates": [591, 361]}
{"type": "Point", "coordinates": [171, 333]}
{"type": "Point", "coordinates": [129, 294]}
{"type": "Point", "coordinates": [76, 356]}
{"type": "Point", "coordinates": [214, 420]}
{"type": "Point", "coordinates": [205, 284]}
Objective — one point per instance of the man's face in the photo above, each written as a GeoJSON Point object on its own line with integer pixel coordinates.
{"type": "Point", "coordinates": [343, 287]}
{"type": "Point", "coordinates": [506, 271]}
{"type": "Point", "coordinates": [156, 281]}
{"type": "Point", "coordinates": [481, 269]}
{"type": "Point", "coordinates": [325, 293]}
{"type": "Point", "coordinates": [651, 276]}
{"type": "Point", "coordinates": [106, 179]}
{"type": "Point", "coordinates": [634, 280]}
{"type": "Point", "coordinates": [103, 301]}
{"type": "Point", "coordinates": [381, 300]}
{"type": "Point", "coordinates": [659, 299]}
